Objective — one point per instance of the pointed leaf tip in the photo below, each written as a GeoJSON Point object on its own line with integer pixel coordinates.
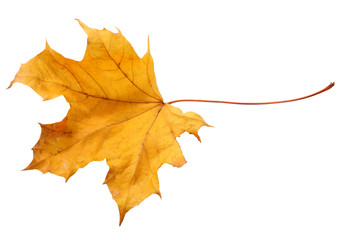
{"type": "Point", "coordinates": [148, 42]}
{"type": "Point", "coordinates": [118, 30]}
{"type": "Point", "coordinates": [85, 27]}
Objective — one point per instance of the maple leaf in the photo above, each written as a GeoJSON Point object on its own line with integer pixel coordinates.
{"type": "Point", "coordinates": [116, 113]}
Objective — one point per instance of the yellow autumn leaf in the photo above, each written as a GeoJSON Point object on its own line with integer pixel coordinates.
{"type": "Point", "coordinates": [116, 113]}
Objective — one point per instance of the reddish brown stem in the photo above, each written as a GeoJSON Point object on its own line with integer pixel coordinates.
{"type": "Point", "coordinates": [255, 103]}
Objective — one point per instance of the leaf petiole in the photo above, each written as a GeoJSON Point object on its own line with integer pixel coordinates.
{"type": "Point", "coordinates": [256, 103]}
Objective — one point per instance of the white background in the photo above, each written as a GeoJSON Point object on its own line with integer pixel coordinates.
{"type": "Point", "coordinates": [263, 172]}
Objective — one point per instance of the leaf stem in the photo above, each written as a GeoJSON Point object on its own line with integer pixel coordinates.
{"type": "Point", "coordinates": [255, 103]}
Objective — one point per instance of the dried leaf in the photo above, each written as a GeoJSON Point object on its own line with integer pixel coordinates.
{"type": "Point", "coordinates": [116, 113]}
